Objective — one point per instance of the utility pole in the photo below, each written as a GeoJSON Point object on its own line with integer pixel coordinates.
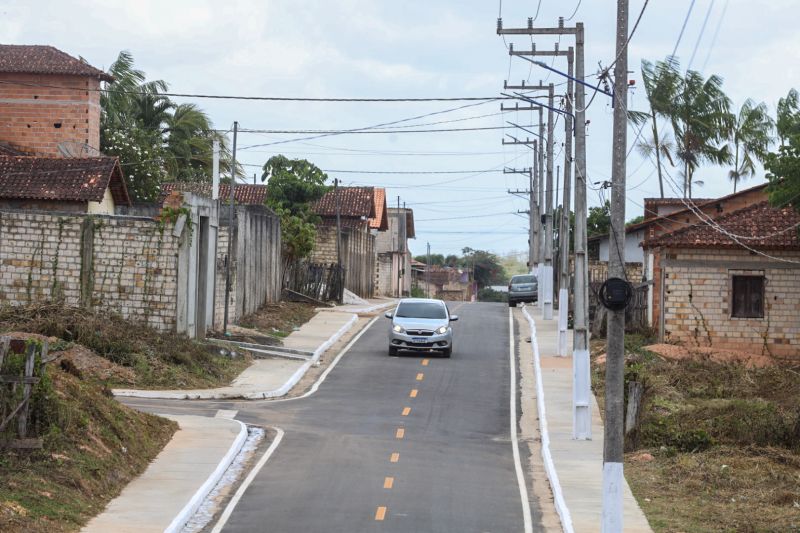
{"type": "Point", "coordinates": [532, 227]}
{"type": "Point", "coordinates": [230, 233]}
{"type": "Point", "coordinates": [428, 273]}
{"type": "Point", "coordinates": [338, 237]}
{"type": "Point", "coordinates": [615, 364]}
{"type": "Point", "coordinates": [581, 388]}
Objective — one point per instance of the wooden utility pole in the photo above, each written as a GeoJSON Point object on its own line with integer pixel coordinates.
{"type": "Point", "coordinates": [582, 393]}
{"type": "Point", "coordinates": [230, 232]}
{"type": "Point", "coordinates": [428, 273]}
{"type": "Point", "coordinates": [613, 445]}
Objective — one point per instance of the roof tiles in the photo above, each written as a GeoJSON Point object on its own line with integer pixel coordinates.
{"type": "Point", "coordinates": [244, 193]}
{"type": "Point", "coordinates": [39, 59]}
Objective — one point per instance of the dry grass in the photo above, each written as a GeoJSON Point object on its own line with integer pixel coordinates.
{"type": "Point", "coordinates": [157, 359]}
{"type": "Point", "coordinates": [725, 438]}
{"type": "Point", "coordinates": [93, 446]}
{"type": "Point", "coordinates": [279, 319]}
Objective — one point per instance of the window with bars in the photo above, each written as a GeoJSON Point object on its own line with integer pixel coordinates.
{"type": "Point", "coordinates": [748, 297]}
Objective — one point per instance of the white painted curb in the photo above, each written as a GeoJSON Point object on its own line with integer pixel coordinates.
{"type": "Point", "coordinates": [197, 500]}
{"type": "Point", "coordinates": [547, 458]}
{"type": "Point", "coordinates": [211, 395]}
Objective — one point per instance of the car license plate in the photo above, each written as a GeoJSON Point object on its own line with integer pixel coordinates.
{"type": "Point", "coordinates": [418, 340]}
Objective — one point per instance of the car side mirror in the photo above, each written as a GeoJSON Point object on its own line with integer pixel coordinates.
{"type": "Point", "coordinates": [453, 318]}
{"type": "Point", "coordinates": [389, 314]}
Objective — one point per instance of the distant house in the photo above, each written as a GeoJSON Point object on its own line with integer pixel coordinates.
{"type": "Point", "coordinates": [446, 283]}
{"type": "Point", "coordinates": [86, 185]}
{"type": "Point", "coordinates": [244, 193]}
{"type": "Point", "coordinates": [50, 101]}
{"type": "Point", "coordinates": [362, 215]}
{"type": "Point", "coordinates": [732, 280]}
{"type": "Point", "coordinates": [393, 268]}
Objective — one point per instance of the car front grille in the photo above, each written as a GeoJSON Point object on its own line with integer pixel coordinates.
{"type": "Point", "coordinates": [419, 333]}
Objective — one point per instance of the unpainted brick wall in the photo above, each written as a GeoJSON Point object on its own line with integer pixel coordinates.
{"type": "Point", "coordinates": [132, 268]}
{"type": "Point", "coordinates": [697, 301]}
{"type": "Point", "coordinates": [51, 110]}
{"type": "Point", "coordinates": [358, 256]}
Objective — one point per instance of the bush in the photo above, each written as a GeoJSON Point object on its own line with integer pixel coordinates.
{"type": "Point", "coordinates": [488, 294]}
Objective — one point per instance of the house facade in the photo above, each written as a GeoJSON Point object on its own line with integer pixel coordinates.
{"type": "Point", "coordinates": [393, 275]}
{"type": "Point", "coordinates": [731, 281]}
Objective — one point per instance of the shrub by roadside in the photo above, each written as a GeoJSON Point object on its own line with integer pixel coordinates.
{"type": "Point", "coordinates": [717, 445]}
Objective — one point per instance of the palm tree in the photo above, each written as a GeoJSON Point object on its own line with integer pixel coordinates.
{"type": "Point", "coordinates": [751, 136]}
{"type": "Point", "coordinates": [788, 124]}
{"type": "Point", "coordinates": [661, 82]}
{"type": "Point", "coordinates": [701, 119]}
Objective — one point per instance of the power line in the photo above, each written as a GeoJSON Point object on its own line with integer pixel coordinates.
{"type": "Point", "coordinates": [700, 37]}
{"type": "Point", "coordinates": [716, 34]}
{"type": "Point", "coordinates": [464, 217]}
{"type": "Point", "coordinates": [683, 28]}
{"type": "Point", "coordinates": [371, 131]}
{"type": "Point", "coordinates": [574, 12]}
{"type": "Point", "coordinates": [262, 98]}
{"type": "Point", "coordinates": [412, 172]}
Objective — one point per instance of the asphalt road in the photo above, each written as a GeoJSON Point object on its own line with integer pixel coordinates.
{"type": "Point", "coordinates": [395, 444]}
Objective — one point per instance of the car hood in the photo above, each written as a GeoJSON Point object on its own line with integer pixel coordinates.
{"type": "Point", "coordinates": [420, 323]}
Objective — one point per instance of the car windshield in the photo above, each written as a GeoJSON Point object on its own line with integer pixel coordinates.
{"type": "Point", "coordinates": [421, 310]}
{"type": "Point", "coordinates": [516, 280]}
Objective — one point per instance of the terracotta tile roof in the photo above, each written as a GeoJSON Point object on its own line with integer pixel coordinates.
{"type": "Point", "coordinates": [764, 226]}
{"type": "Point", "coordinates": [353, 202]}
{"type": "Point", "coordinates": [58, 178]}
{"type": "Point", "coordinates": [38, 59]}
{"type": "Point", "coordinates": [380, 221]}
{"type": "Point", "coordinates": [244, 194]}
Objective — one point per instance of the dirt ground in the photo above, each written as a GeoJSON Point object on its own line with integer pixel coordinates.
{"type": "Point", "coordinates": [279, 319]}
{"type": "Point", "coordinates": [699, 353]}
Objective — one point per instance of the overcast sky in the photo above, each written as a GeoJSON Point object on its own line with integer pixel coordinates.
{"type": "Point", "coordinates": [415, 48]}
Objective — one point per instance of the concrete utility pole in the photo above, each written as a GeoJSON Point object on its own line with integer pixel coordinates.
{"type": "Point", "coordinates": [532, 227]}
{"type": "Point", "coordinates": [582, 417]}
{"type": "Point", "coordinates": [338, 234]}
{"type": "Point", "coordinates": [615, 364]}
{"type": "Point", "coordinates": [230, 233]}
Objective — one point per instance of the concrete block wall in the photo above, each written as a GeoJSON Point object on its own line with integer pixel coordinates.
{"type": "Point", "coordinates": [256, 267]}
{"type": "Point", "coordinates": [126, 265]}
{"type": "Point", "coordinates": [36, 118]}
{"type": "Point", "coordinates": [697, 301]}
{"type": "Point", "coordinates": [358, 256]}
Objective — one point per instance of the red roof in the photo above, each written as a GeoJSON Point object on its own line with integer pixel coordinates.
{"type": "Point", "coordinates": [244, 193]}
{"type": "Point", "coordinates": [38, 59]}
{"type": "Point", "coordinates": [64, 179]}
{"type": "Point", "coordinates": [353, 202]}
{"type": "Point", "coordinates": [380, 221]}
{"type": "Point", "coordinates": [758, 226]}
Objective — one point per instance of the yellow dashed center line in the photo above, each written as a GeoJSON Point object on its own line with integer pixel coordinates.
{"type": "Point", "coordinates": [425, 362]}
{"type": "Point", "coordinates": [394, 458]}
{"type": "Point", "coordinates": [388, 483]}
{"type": "Point", "coordinates": [406, 411]}
{"type": "Point", "coordinates": [413, 393]}
{"type": "Point", "coordinates": [380, 514]}
{"type": "Point", "coordinates": [420, 376]}
{"type": "Point", "coordinates": [400, 433]}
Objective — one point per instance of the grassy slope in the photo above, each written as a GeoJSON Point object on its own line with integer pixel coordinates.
{"type": "Point", "coordinates": [93, 446]}
{"type": "Point", "coordinates": [725, 442]}
{"type": "Point", "coordinates": [158, 359]}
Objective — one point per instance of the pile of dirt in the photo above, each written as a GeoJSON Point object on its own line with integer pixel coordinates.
{"type": "Point", "coordinates": [93, 446]}
{"type": "Point", "coordinates": [677, 352]}
{"type": "Point", "coordinates": [279, 319]}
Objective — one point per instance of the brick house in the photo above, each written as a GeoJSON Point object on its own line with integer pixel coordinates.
{"type": "Point", "coordinates": [362, 214]}
{"type": "Point", "coordinates": [87, 185]}
{"type": "Point", "coordinates": [738, 293]}
{"type": "Point", "coordinates": [49, 101]}
{"type": "Point", "coordinates": [393, 276]}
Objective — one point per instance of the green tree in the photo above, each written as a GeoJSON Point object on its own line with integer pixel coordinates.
{"type": "Point", "coordinates": [661, 81]}
{"type": "Point", "coordinates": [599, 220]}
{"type": "Point", "coordinates": [751, 136]}
{"type": "Point", "coordinates": [635, 220]}
{"type": "Point", "coordinates": [486, 267]}
{"type": "Point", "coordinates": [294, 185]}
{"type": "Point", "coordinates": [436, 259]}
{"type": "Point", "coordinates": [451, 260]}
{"type": "Point", "coordinates": [701, 122]}
{"type": "Point", "coordinates": [179, 137]}
{"type": "Point", "coordinates": [783, 167]}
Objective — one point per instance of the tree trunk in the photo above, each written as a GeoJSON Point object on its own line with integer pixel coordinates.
{"type": "Point", "coordinates": [658, 153]}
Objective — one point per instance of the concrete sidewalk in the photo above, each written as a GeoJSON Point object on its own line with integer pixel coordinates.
{"type": "Point", "coordinates": [274, 377]}
{"type": "Point", "coordinates": [578, 464]}
{"type": "Point", "coordinates": [168, 493]}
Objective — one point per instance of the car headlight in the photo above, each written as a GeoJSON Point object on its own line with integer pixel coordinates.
{"type": "Point", "coordinates": [442, 330]}
{"type": "Point", "coordinates": [398, 329]}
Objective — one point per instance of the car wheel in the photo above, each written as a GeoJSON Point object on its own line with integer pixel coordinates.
{"type": "Point", "coordinates": [447, 352]}
{"type": "Point", "coordinates": [512, 304]}
{"type": "Point", "coordinates": [392, 351]}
